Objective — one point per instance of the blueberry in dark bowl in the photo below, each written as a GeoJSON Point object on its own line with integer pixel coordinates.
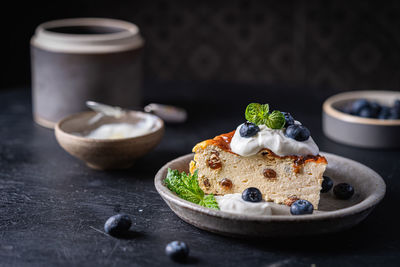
{"type": "Point", "coordinates": [384, 113]}
{"type": "Point", "coordinates": [375, 109]}
{"type": "Point", "coordinates": [248, 129]}
{"type": "Point", "coordinates": [288, 119]}
{"type": "Point", "coordinates": [395, 111]}
{"type": "Point", "coordinates": [343, 191]}
{"type": "Point", "coordinates": [327, 184]}
{"type": "Point", "coordinates": [297, 132]}
{"type": "Point", "coordinates": [118, 225]}
{"type": "Point", "coordinates": [177, 251]}
{"type": "Point", "coordinates": [365, 112]}
{"type": "Point", "coordinates": [394, 115]}
{"type": "Point", "coordinates": [396, 104]}
{"type": "Point", "coordinates": [301, 207]}
{"type": "Point", "coordinates": [358, 105]}
{"type": "Point", "coordinates": [252, 194]}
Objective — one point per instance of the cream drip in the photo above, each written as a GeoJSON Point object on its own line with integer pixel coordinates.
{"type": "Point", "coordinates": [235, 204]}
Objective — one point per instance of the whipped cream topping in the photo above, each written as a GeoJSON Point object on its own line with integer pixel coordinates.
{"type": "Point", "coordinates": [235, 204]}
{"type": "Point", "coordinates": [274, 140]}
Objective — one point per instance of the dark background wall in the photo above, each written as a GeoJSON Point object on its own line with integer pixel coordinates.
{"type": "Point", "coordinates": [332, 45]}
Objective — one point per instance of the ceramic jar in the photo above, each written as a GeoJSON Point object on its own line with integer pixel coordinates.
{"type": "Point", "coordinates": [75, 60]}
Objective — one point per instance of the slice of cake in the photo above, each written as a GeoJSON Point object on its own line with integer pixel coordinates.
{"type": "Point", "coordinates": [280, 159]}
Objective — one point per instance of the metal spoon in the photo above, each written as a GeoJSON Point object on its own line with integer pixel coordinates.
{"type": "Point", "coordinates": [168, 113]}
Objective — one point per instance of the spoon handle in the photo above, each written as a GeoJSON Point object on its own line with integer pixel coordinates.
{"type": "Point", "coordinates": [105, 109]}
{"type": "Point", "coordinates": [168, 113]}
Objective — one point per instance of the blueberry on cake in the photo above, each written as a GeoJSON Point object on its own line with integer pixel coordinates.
{"type": "Point", "coordinates": [270, 151]}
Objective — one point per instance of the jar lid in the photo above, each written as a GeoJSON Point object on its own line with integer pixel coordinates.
{"type": "Point", "coordinates": [87, 35]}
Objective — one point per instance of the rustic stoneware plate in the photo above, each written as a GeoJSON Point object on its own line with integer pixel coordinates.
{"type": "Point", "coordinates": [106, 153]}
{"type": "Point", "coordinates": [357, 131]}
{"type": "Point", "coordinates": [333, 214]}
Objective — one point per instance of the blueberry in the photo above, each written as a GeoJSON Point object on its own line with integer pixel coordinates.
{"type": "Point", "coordinates": [118, 224]}
{"type": "Point", "coordinates": [252, 194]}
{"type": "Point", "coordinates": [395, 111]}
{"type": "Point", "coordinates": [343, 191]}
{"type": "Point", "coordinates": [365, 112]}
{"type": "Point", "coordinates": [248, 129]}
{"type": "Point", "coordinates": [397, 104]}
{"type": "Point", "coordinates": [375, 109]}
{"type": "Point", "coordinates": [358, 105]}
{"type": "Point", "coordinates": [288, 118]}
{"type": "Point", "coordinates": [384, 113]}
{"type": "Point", "coordinates": [297, 132]}
{"type": "Point", "coordinates": [301, 207]}
{"type": "Point", "coordinates": [177, 251]}
{"type": "Point", "coordinates": [394, 114]}
{"type": "Point", "coordinates": [327, 184]}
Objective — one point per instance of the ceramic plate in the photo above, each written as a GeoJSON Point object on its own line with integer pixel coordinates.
{"type": "Point", "coordinates": [333, 214]}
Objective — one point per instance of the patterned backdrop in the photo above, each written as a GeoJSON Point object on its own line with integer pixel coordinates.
{"type": "Point", "coordinates": [338, 45]}
{"type": "Point", "coordinates": [328, 44]}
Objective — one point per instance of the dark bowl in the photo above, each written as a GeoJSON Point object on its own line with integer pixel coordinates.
{"type": "Point", "coordinates": [357, 131]}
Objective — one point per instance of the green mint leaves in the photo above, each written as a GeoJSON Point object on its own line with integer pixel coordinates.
{"type": "Point", "coordinates": [276, 120]}
{"type": "Point", "coordinates": [259, 114]}
{"type": "Point", "coordinates": [209, 202]}
{"type": "Point", "coordinates": [186, 187]}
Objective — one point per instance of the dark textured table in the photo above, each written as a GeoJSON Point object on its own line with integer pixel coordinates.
{"type": "Point", "coordinates": [53, 207]}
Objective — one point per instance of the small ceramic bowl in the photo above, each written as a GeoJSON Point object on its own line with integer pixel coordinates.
{"type": "Point", "coordinates": [357, 131]}
{"type": "Point", "coordinates": [106, 153]}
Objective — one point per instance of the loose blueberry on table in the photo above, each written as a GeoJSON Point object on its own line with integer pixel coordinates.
{"type": "Point", "coordinates": [301, 207]}
{"type": "Point", "coordinates": [252, 194]}
{"type": "Point", "coordinates": [297, 132]}
{"type": "Point", "coordinates": [327, 184]}
{"type": "Point", "coordinates": [248, 129]}
{"type": "Point", "coordinates": [343, 191]}
{"type": "Point", "coordinates": [177, 251]}
{"type": "Point", "coordinates": [118, 225]}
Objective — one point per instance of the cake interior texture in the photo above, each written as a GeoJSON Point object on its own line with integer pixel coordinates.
{"type": "Point", "coordinates": [282, 180]}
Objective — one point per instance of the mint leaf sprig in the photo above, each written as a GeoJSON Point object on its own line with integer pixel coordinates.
{"type": "Point", "coordinates": [186, 187]}
{"type": "Point", "coordinates": [259, 114]}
